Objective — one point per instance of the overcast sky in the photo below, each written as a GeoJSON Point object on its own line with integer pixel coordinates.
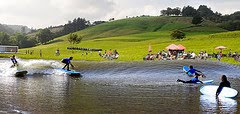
{"type": "Point", "coordinates": [44, 13]}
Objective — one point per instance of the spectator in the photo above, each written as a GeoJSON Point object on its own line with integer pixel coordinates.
{"type": "Point", "coordinates": [57, 53]}
{"type": "Point", "coordinates": [193, 55]}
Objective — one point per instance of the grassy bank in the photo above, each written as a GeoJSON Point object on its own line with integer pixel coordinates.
{"type": "Point", "coordinates": [131, 37]}
{"type": "Point", "coordinates": [134, 47]}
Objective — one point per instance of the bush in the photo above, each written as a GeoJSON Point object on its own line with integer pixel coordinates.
{"type": "Point", "coordinates": [177, 34]}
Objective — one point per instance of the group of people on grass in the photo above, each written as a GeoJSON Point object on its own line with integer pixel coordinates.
{"type": "Point", "coordinates": [197, 74]}
{"type": "Point", "coordinates": [109, 54]}
{"type": "Point", "coordinates": [176, 55]}
{"type": "Point", "coordinates": [181, 55]}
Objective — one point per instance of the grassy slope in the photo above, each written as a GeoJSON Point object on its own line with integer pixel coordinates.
{"type": "Point", "coordinates": [156, 32]}
{"type": "Point", "coordinates": [136, 25]}
{"type": "Point", "coordinates": [145, 24]}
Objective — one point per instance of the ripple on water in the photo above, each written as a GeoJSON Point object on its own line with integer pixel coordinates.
{"type": "Point", "coordinates": [112, 87]}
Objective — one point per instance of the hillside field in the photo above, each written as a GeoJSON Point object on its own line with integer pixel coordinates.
{"type": "Point", "coordinates": [131, 38]}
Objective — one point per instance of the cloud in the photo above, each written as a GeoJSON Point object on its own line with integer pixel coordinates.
{"type": "Point", "coordinates": [44, 13]}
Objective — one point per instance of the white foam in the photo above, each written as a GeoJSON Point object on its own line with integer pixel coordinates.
{"type": "Point", "coordinates": [32, 66]}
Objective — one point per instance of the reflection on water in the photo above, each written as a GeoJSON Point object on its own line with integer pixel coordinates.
{"type": "Point", "coordinates": [220, 105]}
{"type": "Point", "coordinates": [110, 87]}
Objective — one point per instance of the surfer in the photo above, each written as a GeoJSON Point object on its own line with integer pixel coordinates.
{"type": "Point", "coordinates": [67, 61]}
{"type": "Point", "coordinates": [224, 83]}
{"type": "Point", "coordinates": [195, 71]}
{"type": "Point", "coordinates": [194, 80]}
{"type": "Point", "coordinates": [14, 61]}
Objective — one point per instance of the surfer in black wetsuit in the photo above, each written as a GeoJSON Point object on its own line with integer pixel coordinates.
{"type": "Point", "coordinates": [67, 61]}
{"type": "Point", "coordinates": [224, 83]}
{"type": "Point", "coordinates": [14, 61]}
{"type": "Point", "coordinates": [194, 80]}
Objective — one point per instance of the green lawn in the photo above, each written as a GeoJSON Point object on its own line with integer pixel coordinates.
{"type": "Point", "coordinates": [131, 37]}
{"type": "Point", "coordinates": [134, 47]}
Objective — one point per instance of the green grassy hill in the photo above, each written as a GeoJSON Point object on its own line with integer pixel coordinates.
{"type": "Point", "coordinates": [131, 37]}
{"type": "Point", "coordinates": [145, 24]}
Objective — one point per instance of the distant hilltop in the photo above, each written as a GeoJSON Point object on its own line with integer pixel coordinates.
{"type": "Point", "coordinates": [11, 29]}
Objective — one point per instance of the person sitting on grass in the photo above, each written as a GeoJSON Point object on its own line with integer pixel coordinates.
{"type": "Point", "coordinates": [224, 83]}
{"type": "Point", "coordinates": [67, 62]}
{"type": "Point", "coordinates": [194, 80]}
{"type": "Point", "coordinates": [14, 61]}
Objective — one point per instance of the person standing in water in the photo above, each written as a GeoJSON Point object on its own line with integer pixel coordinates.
{"type": "Point", "coordinates": [14, 61]}
{"type": "Point", "coordinates": [67, 62]}
{"type": "Point", "coordinates": [224, 83]}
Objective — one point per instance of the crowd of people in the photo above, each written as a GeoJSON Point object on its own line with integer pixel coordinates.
{"type": "Point", "coordinates": [109, 54]}
{"type": "Point", "coordinates": [176, 55]}
{"type": "Point", "coordinates": [180, 55]}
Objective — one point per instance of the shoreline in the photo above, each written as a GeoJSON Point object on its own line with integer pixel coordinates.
{"type": "Point", "coordinates": [224, 61]}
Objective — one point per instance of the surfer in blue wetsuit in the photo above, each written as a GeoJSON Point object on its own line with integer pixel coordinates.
{"type": "Point", "coordinates": [67, 62]}
{"type": "Point", "coordinates": [194, 80]}
{"type": "Point", "coordinates": [224, 83]}
{"type": "Point", "coordinates": [195, 71]}
{"type": "Point", "coordinates": [14, 61]}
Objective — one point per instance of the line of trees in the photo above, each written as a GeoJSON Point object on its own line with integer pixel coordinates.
{"type": "Point", "coordinates": [189, 11]}
{"type": "Point", "coordinates": [75, 25]}
{"type": "Point", "coordinates": [228, 22]}
{"type": "Point", "coordinates": [45, 35]}
{"type": "Point", "coordinates": [171, 12]}
{"type": "Point", "coordinates": [17, 39]}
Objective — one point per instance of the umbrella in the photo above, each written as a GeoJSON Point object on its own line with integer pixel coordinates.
{"type": "Point", "coordinates": [181, 47]}
{"type": "Point", "coordinates": [172, 47]}
{"type": "Point", "coordinates": [220, 47]}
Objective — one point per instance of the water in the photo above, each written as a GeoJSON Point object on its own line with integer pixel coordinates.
{"type": "Point", "coordinates": [110, 87]}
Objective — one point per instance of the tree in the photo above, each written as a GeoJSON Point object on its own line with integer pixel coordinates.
{"type": "Point", "coordinates": [169, 11]}
{"type": "Point", "coordinates": [4, 38]}
{"type": "Point", "coordinates": [204, 11]}
{"type": "Point", "coordinates": [163, 12]}
{"type": "Point", "coordinates": [235, 15]}
{"type": "Point", "coordinates": [97, 22]}
{"type": "Point", "coordinates": [75, 25]}
{"type": "Point", "coordinates": [177, 34]}
{"type": "Point", "coordinates": [22, 40]}
{"type": "Point", "coordinates": [197, 19]}
{"type": "Point", "coordinates": [44, 36]}
{"type": "Point", "coordinates": [23, 30]}
{"type": "Point", "coordinates": [189, 11]}
{"type": "Point", "coordinates": [231, 25]}
{"type": "Point", "coordinates": [74, 38]}
{"type": "Point", "coordinates": [176, 11]}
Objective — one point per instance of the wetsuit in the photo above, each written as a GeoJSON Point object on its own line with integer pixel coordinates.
{"type": "Point", "coordinates": [222, 84]}
{"type": "Point", "coordinates": [194, 71]}
{"type": "Point", "coordinates": [67, 61]}
{"type": "Point", "coordinates": [194, 80]}
{"type": "Point", "coordinates": [14, 61]}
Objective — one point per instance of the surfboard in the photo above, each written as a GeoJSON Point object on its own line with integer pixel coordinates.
{"type": "Point", "coordinates": [212, 89]}
{"type": "Point", "coordinates": [186, 69]}
{"type": "Point", "coordinates": [21, 73]}
{"type": "Point", "coordinates": [71, 72]}
{"type": "Point", "coordinates": [206, 82]}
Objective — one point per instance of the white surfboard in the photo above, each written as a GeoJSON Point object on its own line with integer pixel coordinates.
{"type": "Point", "coordinates": [206, 82]}
{"type": "Point", "coordinates": [212, 89]}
